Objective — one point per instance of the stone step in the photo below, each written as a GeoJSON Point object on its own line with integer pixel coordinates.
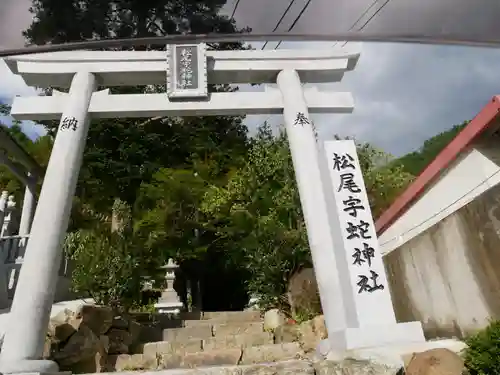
{"type": "Point", "coordinates": [187, 333]}
{"type": "Point", "coordinates": [171, 358]}
{"type": "Point", "coordinates": [237, 328]}
{"type": "Point", "coordinates": [271, 353]}
{"type": "Point", "coordinates": [290, 367]}
{"type": "Point", "coordinates": [198, 323]}
{"type": "Point", "coordinates": [202, 358]}
{"type": "Point", "coordinates": [238, 341]}
{"type": "Point", "coordinates": [153, 349]}
{"type": "Point", "coordinates": [233, 316]}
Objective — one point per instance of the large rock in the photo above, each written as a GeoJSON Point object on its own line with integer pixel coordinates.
{"type": "Point", "coordinates": [97, 318]}
{"type": "Point", "coordinates": [303, 294]}
{"type": "Point", "coordinates": [62, 326]}
{"type": "Point", "coordinates": [67, 322]}
{"type": "Point", "coordinates": [354, 367]}
{"type": "Point", "coordinates": [438, 361]}
{"type": "Point", "coordinates": [81, 346]}
{"type": "Point", "coordinates": [287, 333]}
{"type": "Point", "coordinates": [94, 364]}
{"type": "Point", "coordinates": [81, 340]}
{"type": "Point", "coordinates": [119, 341]}
{"type": "Point", "coordinates": [308, 333]}
{"type": "Point", "coordinates": [273, 319]}
{"type": "Point", "coordinates": [312, 332]}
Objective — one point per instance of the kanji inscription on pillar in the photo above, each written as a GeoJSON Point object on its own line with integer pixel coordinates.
{"type": "Point", "coordinates": [187, 71]}
{"type": "Point", "coordinates": [367, 278]}
{"type": "Point", "coordinates": [69, 123]}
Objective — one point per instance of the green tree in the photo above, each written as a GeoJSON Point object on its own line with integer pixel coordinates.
{"type": "Point", "coordinates": [110, 263]}
{"type": "Point", "coordinates": [39, 149]}
{"type": "Point", "coordinates": [415, 162]}
{"type": "Point", "coordinates": [170, 213]}
{"type": "Point", "coordinates": [384, 180]}
{"type": "Point", "coordinates": [258, 213]}
{"type": "Point", "coordinates": [122, 154]}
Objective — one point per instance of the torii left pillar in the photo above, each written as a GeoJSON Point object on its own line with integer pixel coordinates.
{"type": "Point", "coordinates": [29, 204]}
{"type": "Point", "coordinates": [30, 313]}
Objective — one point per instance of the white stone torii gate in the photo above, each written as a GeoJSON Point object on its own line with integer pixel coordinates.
{"type": "Point", "coordinates": [189, 69]}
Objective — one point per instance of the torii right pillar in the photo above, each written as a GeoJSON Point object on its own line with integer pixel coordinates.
{"type": "Point", "coordinates": [350, 274]}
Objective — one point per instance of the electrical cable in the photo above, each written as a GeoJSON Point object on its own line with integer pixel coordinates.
{"type": "Point", "coordinates": [295, 21]}
{"type": "Point", "coordinates": [371, 17]}
{"type": "Point", "coordinates": [280, 20]}
{"type": "Point", "coordinates": [374, 14]}
{"type": "Point", "coordinates": [235, 7]}
{"type": "Point", "coordinates": [360, 17]}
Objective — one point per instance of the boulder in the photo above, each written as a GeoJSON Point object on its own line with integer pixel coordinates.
{"type": "Point", "coordinates": [134, 329]}
{"type": "Point", "coordinates": [303, 294]}
{"type": "Point", "coordinates": [94, 364]}
{"type": "Point", "coordinates": [311, 332]}
{"type": "Point", "coordinates": [319, 327]}
{"type": "Point", "coordinates": [81, 346]}
{"type": "Point", "coordinates": [438, 361]}
{"type": "Point", "coordinates": [119, 341]}
{"type": "Point", "coordinates": [287, 333]}
{"type": "Point", "coordinates": [119, 322]}
{"type": "Point", "coordinates": [81, 340]}
{"type": "Point", "coordinates": [308, 333]}
{"type": "Point", "coordinates": [62, 326]}
{"type": "Point", "coordinates": [273, 319]}
{"type": "Point", "coordinates": [97, 318]}
{"type": "Point", "coordinates": [354, 367]}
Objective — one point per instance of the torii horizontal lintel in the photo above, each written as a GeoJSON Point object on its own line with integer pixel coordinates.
{"type": "Point", "coordinates": [103, 105]}
{"type": "Point", "coordinates": [130, 68]}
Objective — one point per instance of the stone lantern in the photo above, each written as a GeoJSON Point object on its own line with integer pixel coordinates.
{"type": "Point", "coordinates": [169, 302]}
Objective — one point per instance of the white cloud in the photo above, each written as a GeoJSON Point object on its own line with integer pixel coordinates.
{"type": "Point", "coordinates": [407, 93]}
{"type": "Point", "coordinates": [12, 84]}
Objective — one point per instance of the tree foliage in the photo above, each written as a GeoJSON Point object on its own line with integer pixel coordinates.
{"type": "Point", "coordinates": [415, 162]}
{"type": "Point", "coordinates": [39, 149]}
{"type": "Point", "coordinates": [121, 154]}
{"type": "Point", "coordinates": [141, 161]}
{"type": "Point", "coordinates": [110, 265]}
{"type": "Point", "coordinates": [170, 213]}
{"type": "Point", "coordinates": [483, 350]}
{"type": "Point", "coordinates": [258, 213]}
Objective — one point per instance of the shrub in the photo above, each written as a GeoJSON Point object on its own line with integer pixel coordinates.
{"type": "Point", "coordinates": [482, 357]}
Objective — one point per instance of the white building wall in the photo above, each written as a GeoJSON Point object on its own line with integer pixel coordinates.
{"type": "Point", "coordinates": [469, 176]}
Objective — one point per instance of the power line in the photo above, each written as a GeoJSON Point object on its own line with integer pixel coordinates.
{"type": "Point", "coordinates": [363, 14]}
{"type": "Point", "coordinates": [235, 7]}
{"type": "Point", "coordinates": [280, 20]}
{"type": "Point", "coordinates": [291, 26]}
{"type": "Point", "coordinates": [371, 17]}
{"type": "Point", "coordinates": [443, 209]}
{"type": "Point", "coordinates": [360, 17]}
{"type": "Point", "coordinates": [295, 21]}
{"type": "Point", "coordinates": [374, 14]}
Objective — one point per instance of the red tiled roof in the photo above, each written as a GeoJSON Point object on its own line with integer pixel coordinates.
{"type": "Point", "coordinates": [468, 134]}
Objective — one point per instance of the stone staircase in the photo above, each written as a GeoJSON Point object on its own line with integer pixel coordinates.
{"type": "Point", "coordinates": [217, 339]}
